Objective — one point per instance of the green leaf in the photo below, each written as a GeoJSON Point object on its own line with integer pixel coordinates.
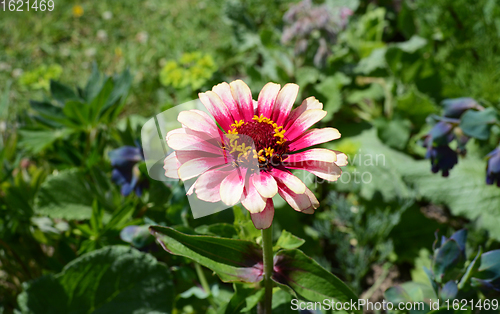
{"type": "Point", "coordinates": [4, 101]}
{"type": "Point", "coordinates": [375, 61]}
{"type": "Point", "coordinates": [330, 88]}
{"type": "Point", "coordinates": [61, 92]}
{"type": "Point", "coordinates": [308, 279]}
{"type": "Point", "coordinates": [120, 90]}
{"type": "Point", "coordinates": [471, 269]}
{"type": "Point", "coordinates": [94, 84]}
{"type": "Point", "coordinates": [233, 260]}
{"type": "Point", "coordinates": [115, 279]}
{"type": "Point", "coordinates": [412, 45]}
{"type": "Point", "coordinates": [53, 114]}
{"type": "Point", "coordinates": [416, 106]}
{"type": "Point", "coordinates": [447, 257]}
{"type": "Point", "coordinates": [78, 113]}
{"type": "Point", "coordinates": [288, 241]}
{"type": "Point", "coordinates": [477, 124]}
{"type": "Point", "coordinates": [243, 300]}
{"type": "Point", "coordinates": [100, 100]}
{"type": "Point", "coordinates": [395, 132]}
{"type": "Point", "coordinates": [306, 75]}
{"type": "Point", "coordinates": [464, 191]}
{"type": "Point", "coordinates": [65, 195]}
{"type": "Point", "coordinates": [411, 292]}
{"type": "Point", "coordinates": [39, 140]}
{"type": "Point", "coordinates": [220, 229]}
{"type": "Point", "coordinates": [373, 167]}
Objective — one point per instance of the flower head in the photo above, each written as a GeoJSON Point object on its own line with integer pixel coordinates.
{"type": "Point", "coordinates": [77, 11]}
{"type": "Point", "coordinates": [126, 169]}
{"type": "Point", "coordinates": [493, 168]}
{"type": "Point", "coordinates": [443, 158]}
{"type": "Point", "coordinates": [454, 108]}
{"type": "Point", "coordinates": [249, 157]}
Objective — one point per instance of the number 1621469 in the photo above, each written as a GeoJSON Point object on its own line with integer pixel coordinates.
{"type": "Point", "coordinates": [27, 5]}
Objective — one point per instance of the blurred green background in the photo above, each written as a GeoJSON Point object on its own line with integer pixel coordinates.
{"type": "Point", "coordinates": [76, 84]}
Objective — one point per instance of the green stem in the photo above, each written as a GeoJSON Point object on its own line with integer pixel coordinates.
{"type": "Point", "coordinates": [267, 249]}
{"type": "Point", "coordinates": [201, 277]}
{"type": "Point", "coordinates": [204, 283]}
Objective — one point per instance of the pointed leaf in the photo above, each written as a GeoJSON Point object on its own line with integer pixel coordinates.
{"type": "Point", "coordinates": [471, 269]}
{"type": "Point", "coordinates": [100, 100]}
{"type": "Point", "coordinates": [449, 291]}
{"type": "Point", "coordinates": [61, 92]}
{"type": "Point", "coordinates": [38, 140]}
{"type": "Point", "coordinates": [308, 279]}
{"type": "Point", "coordinates": [448, 256]}
{"type": "Point", "coordinates": [120, 90]}
{"type": "Point", "coordinates": [233, 260]}
{"type": "Point", "coordinates": [288, 241]}
{"type": "Point", "coordinates": [94, 84]}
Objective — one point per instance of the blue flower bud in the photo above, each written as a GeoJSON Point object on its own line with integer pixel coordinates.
{"type": "Point", "coordinates": [125, 169]}
{"type": "Point", "coordinates": [493, 168]}
{"type": "Point", "coordinates": [442, 158]}
{"type": "Point", "coordinates": [454, 108]}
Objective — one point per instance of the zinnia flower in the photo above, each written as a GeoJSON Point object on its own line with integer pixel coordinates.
{"type": "Point", "coordinates": [126, 169]}
{"type": "Point", "coordinates": [249, 160]}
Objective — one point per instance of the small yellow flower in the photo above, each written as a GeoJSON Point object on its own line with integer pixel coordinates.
{"type": "Point", "coordinates": [77, 11]}
{"type": "Point", "coordinates": [118, 52]}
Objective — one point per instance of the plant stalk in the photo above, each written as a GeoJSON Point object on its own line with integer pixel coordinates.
{"type": "Point", "coordinates": [204, 283]}
{"type": "Point", "coordinates": [267, 249]}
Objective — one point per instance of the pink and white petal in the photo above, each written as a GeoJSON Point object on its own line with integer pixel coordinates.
{"type": "Point", "coordinates": [288, 179]}
{"type": "Point", "coordinates": [202, 135]}
{"type": "Point", "coordinates": [304, 122]}
{"type": "Point", "coordinates": [319, 154]}
{"type": "Point", "coordinates": [284, 103]}
{"type": "Point", "coordinates": [191, 190]}
{"type": "Point", "coordinates": [171, 165]}
{"type": "Point", "coordinates": [313, 137]}
{"type": "Point", "coordinates": [184, 156]}
{"type": "Point", "coordinates": [197, 122]}
{"type": "Point", "coordinates": [267, 99]}
{"type": "Point", "coordinates": [264, 183]}
{"type": "Point", "coordinates": [217, 108]}
{"type": "Point", "coordinates": [175, 131]}
{"type": "Point", "coordinates": [298, 202]}
{"type": "Point", "coordinates": [309, 211]}
{"type": "Point", "coordinates": [208, 184]}
{"type": "Point", "coordinates": [341, 159]}
{"type": "Point", "coordinates": [325, 170]}
{"type": "Point", "coordinates": [252, 200]}
{"type": "Point", "coordinates": [331, 177]}
{"type": "Point", "coordinates": [224, 92]}
{"type": "Point", "coordinates": [308, 104]}
{"type": "Point", "coordinates": [314, 202]}
{"type": "Point", "coordinates": [264, 219]}
{"type": "Point", "coordinates": [193, 142]}
{"type": "Point", "coordinates": [231, 188]}
{"type": "Point", "coordinates": [195, 167]}
{"type": "Point", "coordinates": [243, 96]}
